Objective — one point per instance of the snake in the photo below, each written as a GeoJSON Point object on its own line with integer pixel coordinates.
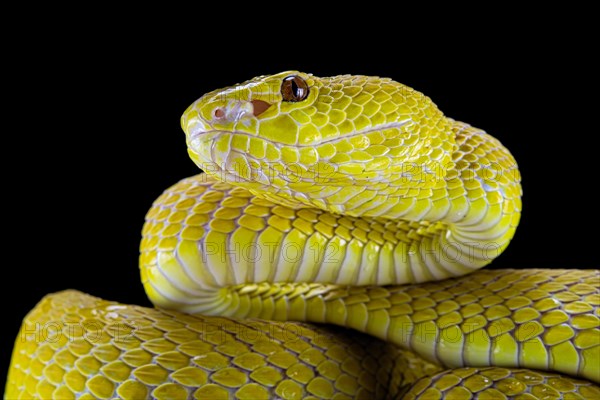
{"type": "Point", "coordinates": [332, 248]}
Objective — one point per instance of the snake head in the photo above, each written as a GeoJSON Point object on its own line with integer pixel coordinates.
{"type": "Point", "coordinates": [300, 140]}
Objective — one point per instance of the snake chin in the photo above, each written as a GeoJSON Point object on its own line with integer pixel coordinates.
{"type": "Point", "coordinates": [224, 165]}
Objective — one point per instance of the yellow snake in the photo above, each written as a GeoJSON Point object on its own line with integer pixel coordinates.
{"type": "Point", "coordinates": [349, 200]}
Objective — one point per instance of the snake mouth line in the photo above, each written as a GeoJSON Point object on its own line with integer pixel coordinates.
{"type": "Point", "coordinates": [215, 133]}
{"type": "Point", "coordinates": [207, 139]}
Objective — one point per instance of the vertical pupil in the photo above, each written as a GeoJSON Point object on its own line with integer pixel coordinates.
{"type": "Point", "coordinates": [294, 88]}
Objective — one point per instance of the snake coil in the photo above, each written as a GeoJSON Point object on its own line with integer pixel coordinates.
{"type": "Point", "coordinates": [350, 201]}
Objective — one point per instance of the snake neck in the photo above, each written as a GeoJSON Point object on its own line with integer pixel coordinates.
{"type": "Point", "coordinates": [204, 237]}
{"type": "Point", "coordinates": [482, 204]}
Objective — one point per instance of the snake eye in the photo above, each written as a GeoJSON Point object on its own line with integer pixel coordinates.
{"type": "Point", "coordinates": [294, 88]}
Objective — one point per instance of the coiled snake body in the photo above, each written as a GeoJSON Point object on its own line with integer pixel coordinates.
{"type": "Point", "coordinates": [349, 200]}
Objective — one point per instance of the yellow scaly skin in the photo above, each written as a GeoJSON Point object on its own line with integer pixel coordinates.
{"type": "Point", "coordinates": [306, 210]}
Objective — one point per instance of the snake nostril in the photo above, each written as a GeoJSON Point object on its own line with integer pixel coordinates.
{"type": "Point", "coordinates": [259, 107]}
{"type": "Point", "coordinates": [219, 113]}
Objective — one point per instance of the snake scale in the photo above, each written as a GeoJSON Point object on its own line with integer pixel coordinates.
{"type": "Point", "coordinates": [349, 201]}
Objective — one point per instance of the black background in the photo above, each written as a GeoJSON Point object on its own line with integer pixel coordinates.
{"type": "Point", "coordinates": [98, 138]}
